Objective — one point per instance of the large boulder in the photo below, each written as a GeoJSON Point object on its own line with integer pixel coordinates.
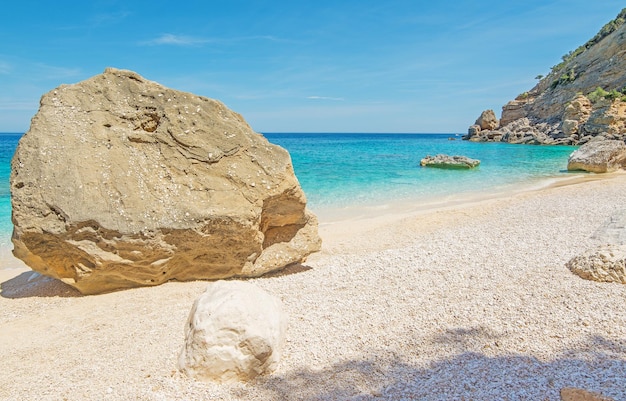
{"type": "Point", "coordinates": [487, 120]}
{"type": "Point", "coordinates": [606, 263]}
{"type": "Point", "coordinates": [599, 156]}
{"type": "Point", "coordinates": [235, 332]}
{"type": "Point", "coordinates": [122, 182]}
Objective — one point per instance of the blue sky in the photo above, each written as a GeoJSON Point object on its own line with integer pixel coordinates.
{"type": "Point", "coordinates": [300, 66]}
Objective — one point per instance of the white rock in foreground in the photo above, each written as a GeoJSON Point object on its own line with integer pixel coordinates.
{"type": "Point", "coordinates": [235, 332]}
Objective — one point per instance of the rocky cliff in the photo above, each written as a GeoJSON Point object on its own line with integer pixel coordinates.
{"type": "Point", "coordinates": [583, 97]}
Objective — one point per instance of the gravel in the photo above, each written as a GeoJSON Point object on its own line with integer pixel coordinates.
{"type": "Point", "coordinates": [471, 302]}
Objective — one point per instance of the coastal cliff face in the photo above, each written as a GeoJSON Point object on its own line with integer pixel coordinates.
{"type": "Point", "coordinates": [582, 98]}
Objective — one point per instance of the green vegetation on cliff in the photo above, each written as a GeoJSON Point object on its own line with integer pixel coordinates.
{"type": "Point", "coordinates": [613, 94]}
{"type": "Point", "coordinates": [606, 30]}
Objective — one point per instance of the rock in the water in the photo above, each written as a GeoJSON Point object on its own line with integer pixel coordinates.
{"type": "Point", "coordinates": [600, 156]}
{"type": "Point", "coordinates": [234, 332]}
{"type": "Point", "coordinates": [605, 264]}
{"type": "Point", "coordinates": [121, 182]}
{"type": "Point", "coordinates": [451, 162]}
{"type": "Point", "coordinates": [487, 120]}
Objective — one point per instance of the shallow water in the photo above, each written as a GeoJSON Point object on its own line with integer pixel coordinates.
{"type": "Point", "coordinates": [341, 170]}
{"type": "Point", "coordinates": [338, 171]}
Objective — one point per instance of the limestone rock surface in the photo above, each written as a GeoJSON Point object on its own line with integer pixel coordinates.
{"type": "Point", "coordinates": [605, 264]}
{"type": "Point", "coordinates": [513, 110]}
{"type": "Point", "coordinates": [122, 182]}
{"type": "Point", "coordinates": [487, 120]}
{"type": "Point", "coordinates": [449, 162]}
{"type": "Point", "coordinates": [235, 332]}
{"type": "Point", "coordinates": [473, 130]}
{"type": "Point", "coordinates": [607, 118]}
{"type": "Point", "coordinates": [576, 113]}
{"type": "Point", "coordinates": [600, 156]}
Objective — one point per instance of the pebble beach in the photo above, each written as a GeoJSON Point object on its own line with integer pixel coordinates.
{"type": "Point", "coordinates": [469, 301]}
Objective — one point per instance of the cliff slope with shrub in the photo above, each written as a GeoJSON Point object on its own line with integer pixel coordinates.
{"type": "Point", "coordinates": [582, 98]}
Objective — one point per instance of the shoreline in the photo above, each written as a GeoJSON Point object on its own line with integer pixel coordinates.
{"type": "Point", "coordinates": [331, 215]}
{"type": "Point", "coordinates": [470, 300]}
{"type": "Point", "coordinates": [337, 223]}
{"type": "Point", "coordinates": [368, 217]}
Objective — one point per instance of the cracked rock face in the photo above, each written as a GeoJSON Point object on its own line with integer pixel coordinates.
{"type": "Point", "coordinates": [121, 182]}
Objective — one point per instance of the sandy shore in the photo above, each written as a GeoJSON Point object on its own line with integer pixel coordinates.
{"type": "Point", "coordinates": [468, 301]}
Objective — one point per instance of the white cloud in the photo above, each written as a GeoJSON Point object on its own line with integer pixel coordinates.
{"type": "Point", "coordinates": [185, 40]}
{"type": "Point", "coordinates": [176, 40]}
{"type": "Point", "coordinates": [109, 18]}
{"type": "Point", "coordinates": [338, 99]}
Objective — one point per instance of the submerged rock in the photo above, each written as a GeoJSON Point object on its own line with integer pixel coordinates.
{"type": "Point", "coordinates": [235, 332]}
{"type": "Point", "coordinates": [599, 156]}
{"type": "Point", "coordinates": [449, 162]}
{"type": "Point", "coordinates": [121, 182]}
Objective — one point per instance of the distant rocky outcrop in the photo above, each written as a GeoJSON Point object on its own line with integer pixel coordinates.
{"type": "Point", "coordinates": [599, 157]}
{"type": "Point", "coordinates": [581, 98]}
{"type": "Point", "coordinates": [235, 332]}
{"type": "Point", "coordinates": [122, 182]}
{"type": "Point", "coordinates": [449, 162]}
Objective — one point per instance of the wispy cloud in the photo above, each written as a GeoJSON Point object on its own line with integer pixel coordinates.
{"type": "Point", "coordinates": [186, 40]}
{"type": "Point", "coordinates": [337, 99]}
{"type": "Point", "coordinates": [176, 40]}
{"type": "Point", "coordinates": [109, 18]}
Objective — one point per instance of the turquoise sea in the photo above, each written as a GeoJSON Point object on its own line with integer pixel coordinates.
{"type": "Point", "coordinates": [339, 171]}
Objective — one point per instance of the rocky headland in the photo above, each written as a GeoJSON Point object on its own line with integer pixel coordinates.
{"type": "Point", "coordinates": [582, 98]}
